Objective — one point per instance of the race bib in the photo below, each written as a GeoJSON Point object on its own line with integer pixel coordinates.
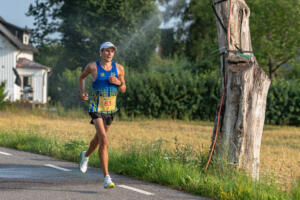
{"type": "Point", "coordinates": [107, 103]}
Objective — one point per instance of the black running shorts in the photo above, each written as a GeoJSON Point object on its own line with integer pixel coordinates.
{"type": "Point", "coordinates": [107, 118]}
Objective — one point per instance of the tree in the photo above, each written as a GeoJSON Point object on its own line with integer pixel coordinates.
{"type": "Point", "coordinates": [245, 88]}
{"type": "Point", "coordinates": [275, 32]}
{"type": "Point", "coordinates": [201, 34]}
{"type": "Point", "coordinates": [275, 28]}
{"type": "Point", "coordinates": [167, 43]}
{"type": "Point", "coordinates": [84, 24]}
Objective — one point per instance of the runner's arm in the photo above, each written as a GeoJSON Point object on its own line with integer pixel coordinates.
{"type": "Point", "coordinates": [121, 73]}
{"type": "Point", "coordinates": [86, 72]}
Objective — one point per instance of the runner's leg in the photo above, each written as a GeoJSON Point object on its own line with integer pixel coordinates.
{"type": "Point", "coordinates": [94, 143]}
{"type": "Point", "coordinates": [103, 143]}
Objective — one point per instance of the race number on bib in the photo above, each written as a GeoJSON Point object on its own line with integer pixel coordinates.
{"type": "Point", "coordinates": [107, 103]}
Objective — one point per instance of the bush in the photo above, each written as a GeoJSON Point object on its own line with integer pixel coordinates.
{"type": "Point", "coordinates": [175, 89]}
{"type": "Point", "coordinates": [283, 103]}
{"type": "Point", "coordinates": [180, 93]}
{"type": "Point", "coordinates": [65, 89]}
{"type": "Point", "coordinates": [2, 95]}
{"type": "Point", "coordinates": [172, 92]}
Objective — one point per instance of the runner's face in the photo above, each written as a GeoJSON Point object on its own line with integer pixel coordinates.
{"type": "Point", "coordinates": [107, 54]}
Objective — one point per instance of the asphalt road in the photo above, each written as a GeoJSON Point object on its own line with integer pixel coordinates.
{"type": "Point", "coordinates": [35, 177]}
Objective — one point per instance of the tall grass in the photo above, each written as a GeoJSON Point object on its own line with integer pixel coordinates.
{"type": "Point", "coordinates": [279, 151]}
{"type": "Point", "coordinates": [182, 168]}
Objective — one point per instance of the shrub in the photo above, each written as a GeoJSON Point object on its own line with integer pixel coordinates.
{"type": "Point", "coordinates": [174, 89]}
{"type": "Point", "coordinates": [171, 91]}
{"type": "Point", "coordinates": [65, 89]}
{"type": "Point", "coordinates": [2, 95]}
{"type": "Point", "coordinates": [183, 94]}
{"type": "Point", "coordinates": [283, 103]}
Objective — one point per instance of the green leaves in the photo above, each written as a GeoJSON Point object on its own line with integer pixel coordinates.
{"type": "Point", "coordinates": [182, 94]}
{"type": "Point", "coordinates": [85, 24]}
{"type": "Point", "coordinates": [274, 26]}
{"type": "Point", "coordinates": [275, 32]}
{"type": "Point", "coordinates": [176, 93]}
{"type": "Point", "coordinates": [283, 103]}
{"type": "Point", "coordinates": [3, 94]}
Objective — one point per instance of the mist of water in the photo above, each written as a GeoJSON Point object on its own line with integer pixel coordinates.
{"type": "Point", "coordinates": [146, 27]}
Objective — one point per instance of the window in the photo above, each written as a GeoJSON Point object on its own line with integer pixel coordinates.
{"type": "Point", "coordinates": [27, 81]}
{"type": "Point", "coordinates": [25, 38]}
{"type": "Point", "coordinates": [27, 90]}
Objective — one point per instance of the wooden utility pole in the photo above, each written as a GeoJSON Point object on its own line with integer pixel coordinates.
{"type": "Point", "coordinates": [246, 88]}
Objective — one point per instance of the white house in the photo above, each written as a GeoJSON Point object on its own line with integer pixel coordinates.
{"type": "Point", "coordinates": [25, 79]}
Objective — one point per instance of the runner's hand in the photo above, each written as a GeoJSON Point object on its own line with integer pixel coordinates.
{"type": "Point", "coordinates": [84, 96]}
{"type": "Point", "coordinates": [114, 80]}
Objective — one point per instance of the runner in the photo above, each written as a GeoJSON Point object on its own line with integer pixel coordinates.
{"type": "Point", "coordinates": [108, 77]}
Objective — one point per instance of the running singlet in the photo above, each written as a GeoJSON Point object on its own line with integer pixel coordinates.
{"type": "Point", "coordinates": [104, 96]}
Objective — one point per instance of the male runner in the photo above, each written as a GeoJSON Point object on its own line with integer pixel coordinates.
{"type": "Point", "coordinates": [108, 78]}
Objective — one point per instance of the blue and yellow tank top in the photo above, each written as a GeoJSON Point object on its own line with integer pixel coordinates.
{"type": "Point", "coordinates": [104, 96]}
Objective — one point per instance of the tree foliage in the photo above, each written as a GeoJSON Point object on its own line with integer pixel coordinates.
{"type": "Point", "coordinates": [85, 24]}
{"type": "Point", "coordinates": [274, 26]}
{"type": "Point", "coordinates": [275, 29]}
{"type": "Point", "coordinates": [196, 34]}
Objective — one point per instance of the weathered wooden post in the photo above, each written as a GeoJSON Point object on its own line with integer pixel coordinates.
{"type": "Point", "coordinates": [246, 88]}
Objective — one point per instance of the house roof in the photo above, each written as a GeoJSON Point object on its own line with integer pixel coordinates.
{"type": "Point", "coordinates": [25, 63]}
{"type": "Point", "coordinates": [2, 21]}
{"type": "Point", "coordinates": [12, 38]}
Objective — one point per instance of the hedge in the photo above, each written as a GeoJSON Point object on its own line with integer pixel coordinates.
{"type": "Point", "coordinates": [283, 103]}
{"type": "Point", "coordinates": [180, 94]}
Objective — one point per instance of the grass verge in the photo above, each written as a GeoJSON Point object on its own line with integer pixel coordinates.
{"type": "Point", "coordinates": [181, 169]}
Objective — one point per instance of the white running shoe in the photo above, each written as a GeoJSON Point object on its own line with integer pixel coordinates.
{"type": "Point", "coordinates": [108, 182]}
{"type": "Point", "coordinates": [84, 162]}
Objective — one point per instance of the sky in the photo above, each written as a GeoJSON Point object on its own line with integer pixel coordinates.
{"type": "Point", "coordinates": [13, 11]}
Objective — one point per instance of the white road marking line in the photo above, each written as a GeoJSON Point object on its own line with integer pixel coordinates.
{"type": "Point", "coordinates": [135, 189]}
{"type": "Point", "coordinates": [7, 154]}
{"type": "Point", "coordinates": [59, 168]}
